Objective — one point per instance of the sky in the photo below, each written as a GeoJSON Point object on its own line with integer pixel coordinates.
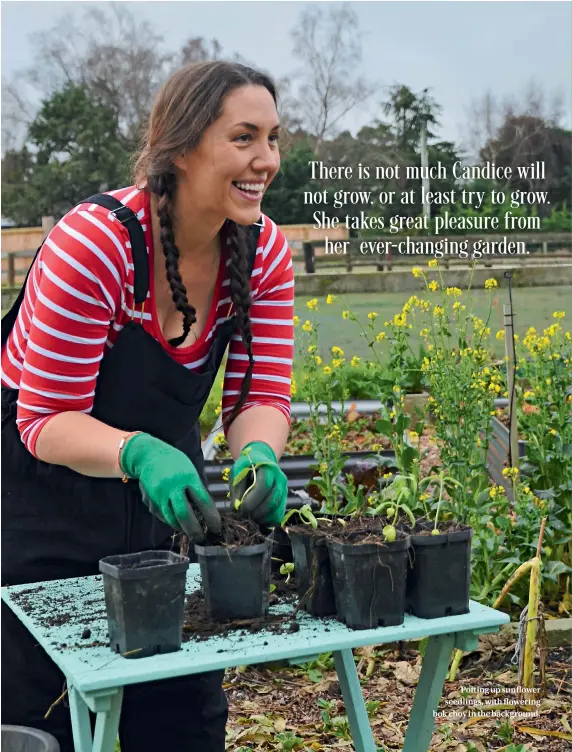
{"type": "Point", "coordinates": [457, 49]}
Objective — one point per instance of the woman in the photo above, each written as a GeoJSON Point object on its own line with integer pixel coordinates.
{"type": "Point", "coordinates": [108, 360]}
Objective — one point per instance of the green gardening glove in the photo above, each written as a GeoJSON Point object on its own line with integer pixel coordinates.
{"type": "Point", "coordinates": [171, 486]}
{"type": "Point", "coordinates": [265, 502]}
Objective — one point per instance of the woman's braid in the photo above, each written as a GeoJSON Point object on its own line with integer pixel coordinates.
{"type": "Point", "coordinates": [241, 297]}
{"type": "Point", "coordinates": [164, 187]}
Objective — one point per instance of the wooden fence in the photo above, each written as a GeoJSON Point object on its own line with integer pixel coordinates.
{"type": "Point", "coordinates": [541, 248]}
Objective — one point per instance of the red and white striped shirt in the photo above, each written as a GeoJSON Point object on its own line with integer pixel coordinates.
{"type": "Point", "coordinates": [80, 295]}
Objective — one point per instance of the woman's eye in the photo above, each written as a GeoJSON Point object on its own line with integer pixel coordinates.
{"type": "Point", "coordinates": [244, 136]}
{"type": "Point", "coordinates": [275, 137]}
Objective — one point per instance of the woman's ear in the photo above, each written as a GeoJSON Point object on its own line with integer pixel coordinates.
{"type": "Point", "coordinates": [181, 162]}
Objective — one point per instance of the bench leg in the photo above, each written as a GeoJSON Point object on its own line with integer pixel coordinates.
{"type": "Point", "coordinates": [428, 693]}
{"type": "Point", "coordinates": [106, 705]}
{"type": "Point", "coordinates": [353, 700]}
{"type": "Point", "coordinates": [81, 726]}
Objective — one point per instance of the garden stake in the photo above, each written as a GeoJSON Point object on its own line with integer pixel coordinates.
{"type": "Point", "coordinates": [511, 376]}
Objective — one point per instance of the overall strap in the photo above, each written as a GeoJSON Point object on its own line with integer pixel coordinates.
{"type": "Point", "coordinates": [128, 218]}
{"type": "Point", "coordinates": [138, 247]}
{"type": "Point", "coordinates": [252, 241]}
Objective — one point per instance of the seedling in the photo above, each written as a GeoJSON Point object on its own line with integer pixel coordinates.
{"type": "Point", "coordinates": [305, 514]}
{"type": "Point", "coordinates": [287, 569]}
{"type": "Point", "coordinates": [244, 473]}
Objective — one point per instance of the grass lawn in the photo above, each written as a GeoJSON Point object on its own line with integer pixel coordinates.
{"type": "Point", "coordinates": [533, 306]}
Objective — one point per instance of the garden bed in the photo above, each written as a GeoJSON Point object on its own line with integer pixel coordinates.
{"type": "Point", "coordinates": [389, 674]}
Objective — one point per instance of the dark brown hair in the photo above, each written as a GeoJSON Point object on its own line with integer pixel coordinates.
{"type": "Point", "coordinates": [187, 104]}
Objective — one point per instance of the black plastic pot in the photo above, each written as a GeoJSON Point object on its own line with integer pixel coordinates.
{"type": "Point", "coordinates": [369, 583]}
{"type": "Point", "coordinates": [439, 574]}
{"type": "Point", "coordinates": [281, 548]}
{"type": "Point", "coordinates": [236, 582]}
{"type": "Point", "coordinates": [145, 599]}
{"type": "Point", "coordinates": [312, 572]}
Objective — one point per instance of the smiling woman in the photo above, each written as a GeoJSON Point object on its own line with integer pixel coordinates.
{"type": "Point", "coordinates": [108, 358]}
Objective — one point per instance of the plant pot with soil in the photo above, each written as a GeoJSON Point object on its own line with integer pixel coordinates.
{"type": "Point", "coordinates": [439, 573]}
{"type": "Point", "coordinates": [311, 560]}
{"type": "Point", "coordinates": [144, 598]}
{"type": "Point", "coordinates": [369, 567]}
{"type": "Point", "coordinates": [235, 574]}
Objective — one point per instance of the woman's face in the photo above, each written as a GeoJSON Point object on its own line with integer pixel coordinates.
{"type": "Point", "coordinates": [226, 176]}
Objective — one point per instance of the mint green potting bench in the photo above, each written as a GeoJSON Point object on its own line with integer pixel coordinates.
{"type": "Point", "coordinates": [96, 676]}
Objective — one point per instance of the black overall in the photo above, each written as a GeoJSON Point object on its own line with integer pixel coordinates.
{"type": "Point", "coordinates": [57, 523]}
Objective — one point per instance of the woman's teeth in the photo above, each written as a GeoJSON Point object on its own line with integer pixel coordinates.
{"type": "Point", "coordinates": [255, 187]}
{"type": "Point", "coordinates": [250, 191]}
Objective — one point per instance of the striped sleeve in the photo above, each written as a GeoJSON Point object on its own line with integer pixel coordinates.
{"type": "Point", "coordinates": [73, 294]}
{"type": "Point", "coordinates": [272, 325]}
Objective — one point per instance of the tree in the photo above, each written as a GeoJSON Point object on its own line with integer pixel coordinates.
{"type": "Point", "coordinates": [329, 48]}
{"type": "Point", "coordinates": [524, 140]}
{"type": "Point", "coordinates": [73, 149]}
{"type": "Point", "coordinates": [284, 200]}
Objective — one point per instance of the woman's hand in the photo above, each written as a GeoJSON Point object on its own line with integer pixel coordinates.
{"type": "Point", "coordinates": [265, 502]}
{"type": "Point", "coordinates": [171, 486]}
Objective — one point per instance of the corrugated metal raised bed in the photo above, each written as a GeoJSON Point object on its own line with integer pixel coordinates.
{"type": "Point", "coordinates": [498, 454]}
{"type": "Point", "coordinates": [296, 468]}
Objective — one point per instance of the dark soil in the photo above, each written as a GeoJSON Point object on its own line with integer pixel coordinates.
{"type": "Point", "coordinates": [198, 626]}
{"type": "Point", "coordinates": [449, 526]}
{"type": "Point", "coordinates": [237, 531]}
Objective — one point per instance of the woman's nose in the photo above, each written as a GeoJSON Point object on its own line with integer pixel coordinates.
{"type": "Point", "coordinates": [267, 159]}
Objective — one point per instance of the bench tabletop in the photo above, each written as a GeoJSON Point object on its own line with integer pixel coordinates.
{"type": "Point", "coordinates": [68, 619]}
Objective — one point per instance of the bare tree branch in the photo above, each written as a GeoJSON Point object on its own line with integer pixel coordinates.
{"type": "Point", "coordinates": [328, 46]}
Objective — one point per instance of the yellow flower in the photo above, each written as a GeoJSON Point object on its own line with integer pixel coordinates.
{"type": "Point", "coordinates": [438, 311]}
{"type": "Point", "coordinates": [327, 370]}
{"type": "Point", "coordinates": [380, 336]}
{"type": "Point", "coordinates": [219, 440]}
{"type": "Point", "coordinates": [312, 348]}
{"type": "Point", "coordinates": [424, 333]}
{"type": "Point", "coordinates": [330, 299]}
{"type": "Point", "coordinates": [337, 362]}
{"type": "Point", "coordinates": [296, 320]}
{"type": "Point", "coordinates": [554, 432]}
{"type": "Point", "coordinates": [425, 305]}
{"type": "Point", "coordinates": [386, 475]}
{"type": "Point", "coordinates": [372, 316]}
{"type": "Point", "coordinates": [424, 496]}
{"type": "Point", "coordinates": [454, 291]}
{"type": "Point", "coordinates": [293, 387]}
{"type": "Point", "coordinates": [549, 381]}
{"type": "Point", "coordinates": [496, 491]}
{"type": "Point", "coordinates": [528, 394]}
{"type": "Point", "coordinates": [413, 435]}
{"type": "Point", "coordinates": [433, 286]}
{"type": "Point", "coordinates": [312, 304]}
{"type": "Point", "coordinates": [510, 472]}
{"type": "Point", "coordinates": [568, 336]}
{"type": "Point", "coordinates": [500, 334]}
{"type": "Point", "coordinates": [400, 319]}
{"type": "Point", "coordinates": [318, 360]}
{"type": "Point", "coordinates": [558, 315]}
{"type": "Point", "coordinates": [337, 351]}
{"type": "Point", "coordinates": [433, 263]}
{"type": "Point", "coordinates": [392, 414]}
{"type": "Point", "coordinates": [345, 315]}
{"type": "Point", "coordinates": [456, 305]}
{"type": "Point", "coordinates": [218, 410]}
{"type": "Point", "coordinates": [225, 473]}
{"type": "Point", "coordinates": [355, 361]}
{"type": "Point", "coordinates": [416, 271]}
{"type": "Point", "coordinates": [307, 327]}
{"type": "Point", "coordinates": [491, 284]}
